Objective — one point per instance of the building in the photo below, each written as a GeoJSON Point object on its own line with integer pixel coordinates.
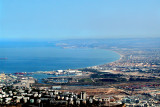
{"type": "Point", "coordinates": [83, 95]}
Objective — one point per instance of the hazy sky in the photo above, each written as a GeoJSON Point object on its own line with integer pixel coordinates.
{"type": "Point", "coordinates": [62, 19]}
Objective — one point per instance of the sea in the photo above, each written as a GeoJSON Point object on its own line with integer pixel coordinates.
{"type": "Point", "coordinates": [32, 58]}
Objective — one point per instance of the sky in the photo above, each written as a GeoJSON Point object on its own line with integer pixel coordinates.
{"type": "Point", "coordinates": [67, 19]}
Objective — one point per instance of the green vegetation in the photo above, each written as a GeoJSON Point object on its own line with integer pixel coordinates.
{"type": "Point", "coordinates": [86, 80]}
{"type": "Point", "coordinates": [89, 70]}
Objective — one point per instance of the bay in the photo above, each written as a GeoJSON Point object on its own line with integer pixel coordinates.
{"type": "Point", "coordinates": [32, 59]}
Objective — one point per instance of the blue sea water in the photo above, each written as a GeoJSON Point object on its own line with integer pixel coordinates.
{"type": "Point", "coordinates": [46, 58]}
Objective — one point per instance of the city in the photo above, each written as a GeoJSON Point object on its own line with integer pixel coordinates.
{"type": "Point", "coordinates": [79, 53]}
{"type": "Point", "coordinates": [131, 81]}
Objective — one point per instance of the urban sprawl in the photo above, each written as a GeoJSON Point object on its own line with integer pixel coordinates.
{"type": "Point", "coordinates": [131, 81]}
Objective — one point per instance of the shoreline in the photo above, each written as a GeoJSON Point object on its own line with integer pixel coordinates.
{"type": "Point", "coordinates": [97, 65]}
{"type": "Point", "coordinates": [120, 57]}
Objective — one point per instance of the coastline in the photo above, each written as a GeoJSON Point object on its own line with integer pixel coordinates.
{"type": "Point", "coordinates": [121, 56]}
